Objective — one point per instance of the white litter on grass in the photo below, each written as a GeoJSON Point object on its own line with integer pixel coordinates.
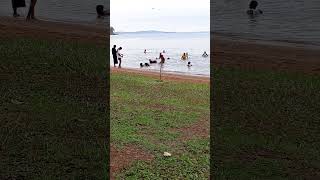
{"type": "Point", "coordinates": [166, 154]}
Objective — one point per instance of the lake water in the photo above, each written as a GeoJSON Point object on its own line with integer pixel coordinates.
{"type": "Point", "coordinates": [295, 21]}
{"type": "Point", "coordinates": [174, 44]}
{"type": "Point", "coordinates": [76, 11]}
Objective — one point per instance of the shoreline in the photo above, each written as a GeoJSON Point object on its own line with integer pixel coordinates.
{"type": "Point", "coordinates": [256, 55]}
{"type": "Point", "coordinates": [42, 29]}
{"type": "Point", "coordinates": [275, 42]}
{"type": "Point", "coordinates": [243, 54]}
{"type": "Point", "coordinates": [165, 75]}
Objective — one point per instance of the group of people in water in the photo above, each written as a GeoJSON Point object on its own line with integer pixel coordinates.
{"type": "Point", "coordinates": [118, 56]}
{"type": "Point", "coordinates": [185, 56]}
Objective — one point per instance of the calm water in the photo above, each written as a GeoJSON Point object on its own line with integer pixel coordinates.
{"type": "Point", "coordinates": [295, 21]}
{"type": "Point", "coordinates": [174, 44]}
{"type": "Point", "coordinates": [79, 11]}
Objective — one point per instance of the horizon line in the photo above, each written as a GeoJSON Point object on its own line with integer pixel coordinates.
{"type": "Point", "coordinates": [160, 31]}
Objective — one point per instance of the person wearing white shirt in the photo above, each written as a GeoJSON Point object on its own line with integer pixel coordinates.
{"type": "Point", "coordinates": [119, 56]}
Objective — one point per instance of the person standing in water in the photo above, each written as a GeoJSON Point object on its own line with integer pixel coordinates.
{"type": "Point", "coordinates": [162, 59]}
{"type": "Point", "coordinates": [114, 55]}
{"type": "Point", "coordinates": [31, 10]}
{"type": "Point", "coordinates": [119, 56]}
{"type": "Point", "coordinates": [16, 4]}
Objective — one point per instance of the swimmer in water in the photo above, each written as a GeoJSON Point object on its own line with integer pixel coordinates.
{"type": "Point", "coordinates": [183, 57]}
{"type": "Point", "coordinates": [189, 64]}
{"type": "Point", "coordinates": [205, 54]}
{"type": "Point", "coordinates": [253, 8]}
{"type": "Point", "coordinates": [101, 12]}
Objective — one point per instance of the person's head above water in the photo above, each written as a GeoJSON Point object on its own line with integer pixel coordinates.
{"type": "Point", "coordinates": [253, 4]}
{"type": "Point", "coordinates": [99, 9]}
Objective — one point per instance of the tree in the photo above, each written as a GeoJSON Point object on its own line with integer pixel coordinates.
{"type": "Point", "coordinates": [112, 31]}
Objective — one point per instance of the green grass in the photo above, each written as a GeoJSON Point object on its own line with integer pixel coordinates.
{"type": "Point", "coordinates": [145, 112]}
{"type": "Point", "coordinates": [58, 131]}
{"type": "Point", "coordinates": [265, 125]}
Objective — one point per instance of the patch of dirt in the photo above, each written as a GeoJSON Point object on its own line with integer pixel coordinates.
{"type": "Point", "coordinates": [122, 158]}
{"type": "Point", "coordinates": [198, 129]}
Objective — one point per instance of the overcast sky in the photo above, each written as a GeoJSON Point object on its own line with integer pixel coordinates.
{"type": "Point", "coordinates": [161, 15]}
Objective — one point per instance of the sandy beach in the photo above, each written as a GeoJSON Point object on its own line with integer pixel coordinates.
{"type": "Point", "coordinates": [53, 30]}
{"type": "Point", "coordinates": [165, 75]}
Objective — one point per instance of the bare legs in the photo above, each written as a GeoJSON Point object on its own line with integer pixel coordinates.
{"type": "Point", "coordinates": [119, 63]}
{"type": "Point", "coordinates": [15, 14]}
{"type": "Point", "coordinates": [31, 10]}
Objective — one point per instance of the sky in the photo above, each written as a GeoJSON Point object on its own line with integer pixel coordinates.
{"type": "Point", "coordinates": [160, 15]}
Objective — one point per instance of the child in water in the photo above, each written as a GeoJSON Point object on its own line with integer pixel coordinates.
{"type": "Point", "coordinates": [189, 64]}
{"type": "Point", "coordinates": [205, 54]}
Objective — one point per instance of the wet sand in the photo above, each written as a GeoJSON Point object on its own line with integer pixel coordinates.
{"type": "Point", "coordinates": [164, 75]}
{"type": "Point", "coordinates": [255, 55]}
{"type": "Point", "coordinates": [19, 27]}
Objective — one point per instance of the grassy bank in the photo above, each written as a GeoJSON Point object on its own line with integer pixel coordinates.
{"type": "Point", "coordinates": [158, 117]}
{"type": "Point", "coordinates": [52, 109]}
{"type": "Point", "coordinates": [265, 125]}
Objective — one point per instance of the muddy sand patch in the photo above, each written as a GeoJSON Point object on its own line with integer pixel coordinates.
{"type": "Point", "coordinates": [199, 129]}
{"type": "Point", "coordinates": [122, 158]}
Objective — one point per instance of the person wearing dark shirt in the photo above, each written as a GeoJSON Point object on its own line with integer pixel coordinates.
{"type": "Point", "coordinates": [101, 12]}
{"type": "Point", "coordinates": [114, 55]}
{"type": "Point", "coordinates": [16, 4]}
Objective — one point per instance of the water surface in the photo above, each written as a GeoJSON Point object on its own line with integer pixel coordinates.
{"type": "Point", "coordinates": [76, 11]}
{"type": "Point", "coordinates": [295, 21]}
{"type": "Point", "coordinates": [174, 44]}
